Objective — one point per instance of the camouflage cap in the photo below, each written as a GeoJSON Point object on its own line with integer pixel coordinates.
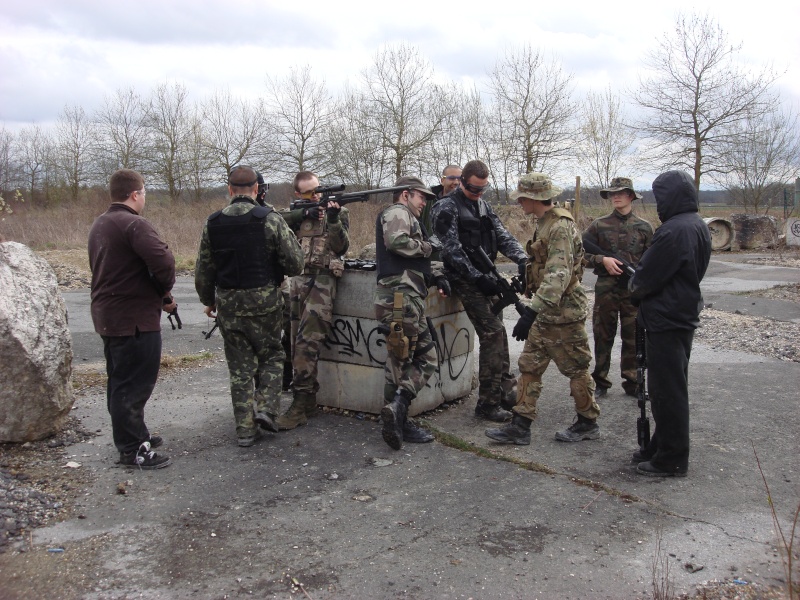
{"type": "Point", "coordinates": [617, 185]}
{"type": "Point", "coordinates": [536, 186]}
{"type": "Point", "coordinates": [415, 184]}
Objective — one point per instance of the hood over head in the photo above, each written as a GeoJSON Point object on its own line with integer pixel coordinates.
{"type": "Point", "coordinates": [675, 194]}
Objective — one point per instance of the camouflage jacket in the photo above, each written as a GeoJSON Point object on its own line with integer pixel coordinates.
{"type": "Point", "coordinates": [556, 268]}
{"type": "Point", "coordinates": [402, 234]}
{"type": "Point", "coordinates": [321, 241]}
{"type": "Point", "coordinates": [626, 236]}
{"type": "Point", "coordinates": [256, 301]}
{"type": "Point", "coordinates": [445, 224]}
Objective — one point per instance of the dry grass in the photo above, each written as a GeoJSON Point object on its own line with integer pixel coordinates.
{"type": "Point", "coordinates": [66, 227]}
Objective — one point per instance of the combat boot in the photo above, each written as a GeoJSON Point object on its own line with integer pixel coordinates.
{"type": "Point", "coordinates": [394, 416]}
{"type": "Point", "coordinates": [582, 429]}
{"type": "Point", "coordinates": [310, 405]}
{"type": "Point", "coordinates": [296, 414]}
{"type": "Point", "coordinates": [491, 412]}
{"type": "Point", "coordinates": [517, 432]}
{"type": "Point", "coordinates": [414, 434]}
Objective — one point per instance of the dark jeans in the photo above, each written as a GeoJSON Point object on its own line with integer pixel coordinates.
{"type": "Point", "coordinates": [132, 364]}
{"type": "Point", "coordinates": [668, 385]}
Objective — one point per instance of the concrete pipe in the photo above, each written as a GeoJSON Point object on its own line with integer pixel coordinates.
{"type": "Point", "coordinates": [722, 233]}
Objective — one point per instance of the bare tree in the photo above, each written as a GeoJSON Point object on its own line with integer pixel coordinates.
{"type": "Point", "coordinates": [695, 96]}
{"type": "Point", "coordinates": [169, 124]}
{"type": "Point", "coordinates": [604, 139]}
{"type": "Point", "coordinates": [461, 135]}
{"type": "Point", "coordinates": [532, 112]}
{"type": "Point", "coordinates": [354, 142]}
{"type": "Point", "coordinates": [235, 131]}
{"type": "Point", "coordinates": [122, 131]}
{"type": "Point", "coordinates": [405, 104]}
{"type": "Point", "coordinates": [7, 174]}
{"type": "Point", "coordinates": [764, 157]}
{"type": "Point", "coordinates": [75, 142]}
{"type": "Point", "coordinates": [199, 163]}
{"type": "Point", "coordinates": [302, 111]}
{"type": "Point", "coordinates": [32, 151]}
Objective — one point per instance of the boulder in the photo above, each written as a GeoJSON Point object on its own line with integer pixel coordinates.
{"type": "Point", "coordinates": [755, 232]}
{"type": "Point", "coordinates": [35, 345]}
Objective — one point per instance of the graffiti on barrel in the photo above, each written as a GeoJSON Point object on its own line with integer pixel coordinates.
{"type": "Point", "coordinates": [351, 343]}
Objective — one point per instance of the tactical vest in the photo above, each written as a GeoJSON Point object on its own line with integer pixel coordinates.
{"type": "Point", "coordinates": [537, 250]}
{"type": "Point", "coordinates": [313, 238]}
{"type": "Point", "coordinates": [239, 250]}
{"type": "Point", "coordinates": [389, 263]}
{"type": "Point", "coordinates": [476, 231]}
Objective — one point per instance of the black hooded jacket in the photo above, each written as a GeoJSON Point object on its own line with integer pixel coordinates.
{"type": "Point", "coordinates": [667, 279]}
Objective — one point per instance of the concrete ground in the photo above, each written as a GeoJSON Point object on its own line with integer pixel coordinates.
{"type": "Point", "coordinates": [329, 511]}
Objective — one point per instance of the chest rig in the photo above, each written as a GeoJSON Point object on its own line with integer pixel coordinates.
{"type": "Point", "coordinates": [537, 249]}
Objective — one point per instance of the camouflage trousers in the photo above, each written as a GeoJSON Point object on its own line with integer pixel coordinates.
{"type": "Point", "coordinates": [494, 364]}
{"type": "Point", "coordinates": [312, 313]}
{"type": "Point", "coordinates": [567, 345]}
{"type": "Point", "coordinates": [612, 304]}
{"type": "Point", "coordinates": [286, 335]}
{"type": "Point", "coordinates": [413, 373]}
{"type": "Point", "coordinates": [254, 353]}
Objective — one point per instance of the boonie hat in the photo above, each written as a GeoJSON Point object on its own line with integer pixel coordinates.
{"type": "Point", "coordinates": [536, 186]}
{"type": "Point", "coordinates": [415, 184]}
{"type": "Point", "coordinates": [617, 185]}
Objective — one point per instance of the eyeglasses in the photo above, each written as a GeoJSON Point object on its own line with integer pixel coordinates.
{"type": "Point", "coordinates": [478, 190]}
{"type": "Point", "coordinates": [451, 177]}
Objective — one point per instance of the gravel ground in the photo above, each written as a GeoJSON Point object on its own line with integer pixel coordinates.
{"type": "Point", "coordinates": [38, 487]}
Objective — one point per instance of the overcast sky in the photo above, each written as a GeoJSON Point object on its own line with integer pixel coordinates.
{"type": "Point", "coordinates": [59, 52]}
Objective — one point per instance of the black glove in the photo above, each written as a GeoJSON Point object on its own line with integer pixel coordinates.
{"type": "Point", "coordinates": [523, 326]}
{"type": "Point", "coordinates": [436, 243]}
{"type": "Point", "coordinates": [333, 214]}
{"type": "Point", "coordinates": [443, 284]}
{"type": "Point", "coordinates": [311, 213]}
{"type": "Point", "coordinates": [487, 286]}
{"type": "Point", "coordinates": [522, 266]}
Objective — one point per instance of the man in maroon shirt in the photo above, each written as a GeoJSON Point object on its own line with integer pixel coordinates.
{"type": "Point", "coordinates": [133, 272]}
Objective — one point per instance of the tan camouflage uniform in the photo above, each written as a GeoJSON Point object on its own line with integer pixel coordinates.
{"type": "Point", "coordinates": [402, 235]}
{"type": "Point", "coordinates": [625, 236]}
{"type": "Point", "coordinates": [250, 320]}
{"type": "Point", "coordinates": [559, 331]}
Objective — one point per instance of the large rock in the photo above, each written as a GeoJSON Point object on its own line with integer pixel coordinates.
{"type": "Point", "coordinates": [35, 346]}
{"type": "Point", "coordinates": [755, 232]}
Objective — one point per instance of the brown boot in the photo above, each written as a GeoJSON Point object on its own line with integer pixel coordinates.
{"type": "Point", "coordinates": [310, 405]}
{"type": "Point", "coordinates": [296, 415]}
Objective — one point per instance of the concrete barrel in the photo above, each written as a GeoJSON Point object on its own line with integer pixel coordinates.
{"type": "Point", "coordinates": [722, 233]}
{"type": "Point", "coordinates": [351, 363]}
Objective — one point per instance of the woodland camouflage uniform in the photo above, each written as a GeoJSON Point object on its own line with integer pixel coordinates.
{"type": "Point", "coordinates": [404, 274]}
{"type": "Point", "coordinates": [250, 319]}
{"type": "Point", "coordinates": [627, 237]}
{"type": "Point", "coordinates": [404, 235]}
{"type": "Point", "coordinates": [312, 295]}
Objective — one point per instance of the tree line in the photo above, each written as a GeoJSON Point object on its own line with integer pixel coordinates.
{"type": "Point", "coordinates": [695, 107]}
